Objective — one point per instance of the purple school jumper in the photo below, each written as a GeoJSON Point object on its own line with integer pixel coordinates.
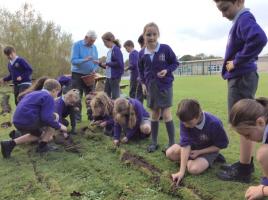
{"type": "Point", "coordinates": [117, 63]}
{"type": "Point", "coordinates": [141, 113]}
{"type": "Point", "coordinates": [63, 110]}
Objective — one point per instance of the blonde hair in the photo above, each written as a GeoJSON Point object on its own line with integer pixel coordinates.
{"type": "Point", "coordinates": [245, 112]}
{"type": "Point", "coordinates": [124, 113]}
{"type": "Point", "coordinates": [108, 36]}
{"type": "Point", "coordinates": [103, 101]}
{"type": "Point", "coordinates": [73, 94]}
{"type": "Point", "coordinates": [52, 84]}
{"type": "Point", "coordinates": [151, 24]}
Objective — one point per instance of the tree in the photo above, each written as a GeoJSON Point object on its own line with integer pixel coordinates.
{"type": "Point", "coordinates": [42, 43]}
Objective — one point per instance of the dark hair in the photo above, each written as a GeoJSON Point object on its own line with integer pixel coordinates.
{"type": "Point", "coordinates": [110, 37]}
{"type": "Point", "coordinates": [188, 109]}
{"type": "Point", "coordinates": [37, 85]}
{"type": "Point", "coordinates": [141, 40]}
{"type": "Point", "coordinates": [247, 111]}
{"type": "Point", "coordinates": [129, 43]}
{"type": "Point", "coordinates": [233, 1]}
{"type": "Point", "coordinates": [8, 50]}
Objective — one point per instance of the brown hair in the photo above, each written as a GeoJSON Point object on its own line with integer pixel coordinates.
{"type": "Point", "coordinates": [51, 84]}
{"type": "Point", "coordinates": [124, 113]}
{"type": "Point", "coordinates": [246, 111]}
{"type": "Point", "coordinates": [129, 43]}
{"type": "Point", "coordinates": [37, 85]}
{"type": "Point", "coordinates": [8, 50]}
{"type": "Point", "coordinates": [141, 40]}
{"type": "Point", "coordinates": [74, 94]}
{"type": "Point", "coordinates": [110, 37]}
{"type": "Point", "coordinates": [225, 0]}
{"type": "Point", "coordinates": [188, 109]}
{"type": "Point", "coordinates": [151, 24]}
{"type": "Point", "coordinates": [102, 100]}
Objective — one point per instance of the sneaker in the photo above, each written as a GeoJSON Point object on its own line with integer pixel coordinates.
{"type": "Point", "coordinates": [14, 134]}
{"type": "Point", "coordinates": [152, 148]}
{"type": "Point", "coordinates": [220, 158]}
{"type": "Point", "coordinates": [234, 175]}
{"type": "Point", "coordinates": [46, 148]}
{"type": "Point", "coordinates": [6, 148]}
{"type": "Point", "coordinates": [227, 167]}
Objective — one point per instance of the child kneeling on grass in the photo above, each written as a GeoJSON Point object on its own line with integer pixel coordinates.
{"type": "Point", "coordinates": [102, 112]}
{"type": "Point", "coordinates": [65, 106]}
{"type": "Point", "coordinates": [131, 116]}
{"type": "Point", "coordinates": [35, 115]}
{"type": "Point", "coordinates": [249, 118]}
{"type": "Point", "coordinates": [201, 138]}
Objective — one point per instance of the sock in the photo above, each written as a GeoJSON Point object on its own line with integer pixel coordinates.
{"type": "Point", "coordinates": [42, 144]}
{"type": "Point", "coordinates": [171, 132]}
{"type": "Point", "coordinates": [154, 125]}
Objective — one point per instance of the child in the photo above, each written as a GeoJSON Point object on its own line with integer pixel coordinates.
{"type": "Point", "coordinates": [65, 82]}
{"type": "Point", "coordinates": [114, 65]}
{"type": "Point", "coordinates": [246, 41]}
{"type": "Point", "coordinates": [135, 91]}
{"type": "Point", "coordinates": [156, 64]}
{"type": "Point", "coordinates": [102, 111]}
{"type": "Point", "coordinates": [130, 115]}
{"type": "Point", "coordinates": [64, 106]}
{"type": "Point", "coordinates": [20, 72]}
{"type": "Point", "coordinates": [249, 118]}
{"type": "Point", "coordinates": [201, 138]}
{"type": "Point", "coordinates": [35, 115]}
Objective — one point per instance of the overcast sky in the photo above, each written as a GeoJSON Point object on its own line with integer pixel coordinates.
{"type": "Point", "coordinates": [189, 27]}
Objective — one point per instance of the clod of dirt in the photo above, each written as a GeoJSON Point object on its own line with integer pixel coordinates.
{"type": "Point", "coordinates": [76, 194]}
{"type": "Point", "coordinates": [6, 124]}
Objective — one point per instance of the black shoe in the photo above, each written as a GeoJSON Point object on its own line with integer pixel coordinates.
{"type": "Point", "coordinates": [220, 159]}
{"type": "Point", "coordinates": [152, 148]}
{"type": "Point", "coordinates": [227, 167]}
{"type": "Point", "coordinates": [6, 148]}
{"type": "Point", "coordinates": [46, 148]}
{"type": "Point", "coordinates": [234, 175]}
{"type": "Point", "coordinates": [14, 134]}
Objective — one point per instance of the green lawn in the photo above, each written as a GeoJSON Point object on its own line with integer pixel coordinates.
{"type": "Point", "coordinates": [98, 172]}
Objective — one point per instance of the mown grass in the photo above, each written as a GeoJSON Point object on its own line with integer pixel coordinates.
{"type": "Point", "coordinates": [98, 173]}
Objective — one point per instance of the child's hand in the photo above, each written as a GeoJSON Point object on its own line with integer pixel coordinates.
{"type": "Point", "coordinates": [194, 154]}
{"type": "Point", "coordinates": [19, 78]}
{"type": "Point", "coordinates": [254, 192]}
{"type": "Point", "coordinates": [103, 124]}
{"type": "Point", "coordinates": [144, 90]}
{"type": "Point", "coordinates": [116, 142]}
{"type": "Point", "coordinates": [1, 81]}
{"type": "Point", "coordinates": [229, 66]}
{"type": "Point", "coordinates": [124, 140]}
{"type": "Point", "coordinates": [162, 73]}
{"type": "Point", "coordinates": [65, 135]}
{"type": "Point", "coordinates": [63, 128]}
{"type": "Point", "coordinates": [176, 178]}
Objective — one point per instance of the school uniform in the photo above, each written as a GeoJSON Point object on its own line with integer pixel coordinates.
{"type": "Point", "coordinates": [114, 71]}
{"type": "Point", "coordinates": [246, 41]}
{"type": "Point", "coordinates": [19, 67]}
{"type": "Point", "coordinates": [159, 89]}
{"type": "Point", "coordinates": [209, 132]}
{"type": "Point", "coordinates": [109, 128]}
{"type": "Point", "coordinates": [134, 73]}
{"type": "Point", "coordinates": [63, 111]}
{"type": "Point", "coordinates": [65, 82]}
{"type": "Point", "coordinates": [34, 112]}
{"type": "Point", "coordinates": [141, 115]}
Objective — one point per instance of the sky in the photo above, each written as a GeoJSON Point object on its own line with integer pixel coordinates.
{"type": "Point", "coordinates": [189, 27]}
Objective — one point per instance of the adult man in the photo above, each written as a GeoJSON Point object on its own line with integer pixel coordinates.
{"type": "Point", "coordinates": [84, 52]}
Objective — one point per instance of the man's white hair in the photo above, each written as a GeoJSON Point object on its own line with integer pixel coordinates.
{"type": "Point", "coordinates": [92, 34]}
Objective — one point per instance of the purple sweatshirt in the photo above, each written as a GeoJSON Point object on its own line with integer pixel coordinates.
{"type": "Point", "coordinates": [63, 110]}
{"type": "Point", "coordinates": [133, 65]}
{"type": "Point", "coordinates": [117, 63]}
{"type": "Point", "coordinates": [246, 41]}
{"type": "Point", "coordinates": [20, 67]}
{"type": "Point", "coordinates": [36, 108]}
{"type": "Point", "coordinates": [210, 134]}
{"type": "Point", "coordinates": [164, 58]}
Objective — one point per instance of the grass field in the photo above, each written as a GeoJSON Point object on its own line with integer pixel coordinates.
{"type": "Point", "coordinates": [101, 171]}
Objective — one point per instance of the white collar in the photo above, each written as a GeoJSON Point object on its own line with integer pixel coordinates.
{"type": "Point", "coordinates": [146, 51]}
{"type": "Point", "coordinates": [201, 125]}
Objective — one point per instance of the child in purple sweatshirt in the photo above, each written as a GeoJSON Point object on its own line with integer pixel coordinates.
{"type": "Point", "coordinates": [246, 41]}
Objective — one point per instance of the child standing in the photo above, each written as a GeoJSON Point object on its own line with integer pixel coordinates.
{"type": "Point", "coordinates": [130, 115]}
{"type": "Point", "coordinates": [249, 118]}
{"type": "Point", "coordinates": [102, 111]}
{"type": "Point", "coordinates": [114, 65]}
{"type": "Point", "coordinates": [20, 72]}
{"type": "Point", "coordinates": [201, 138]}
{"type": "Point", "coordinates": [135, 87]}
{"type": "Point", "coordinates": [64, 106]}
{"type": "Point", "coordinates": [156, 65]}
{"type": "Point", "coordinates": [246, 41]}
{"type": "Point", "coordinates": [34, 115]}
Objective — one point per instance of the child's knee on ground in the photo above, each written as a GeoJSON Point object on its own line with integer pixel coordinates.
{"type": "Point", "coordinates": [173, 152]}
{"type": "Point", "coordinates": [197, 166]}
